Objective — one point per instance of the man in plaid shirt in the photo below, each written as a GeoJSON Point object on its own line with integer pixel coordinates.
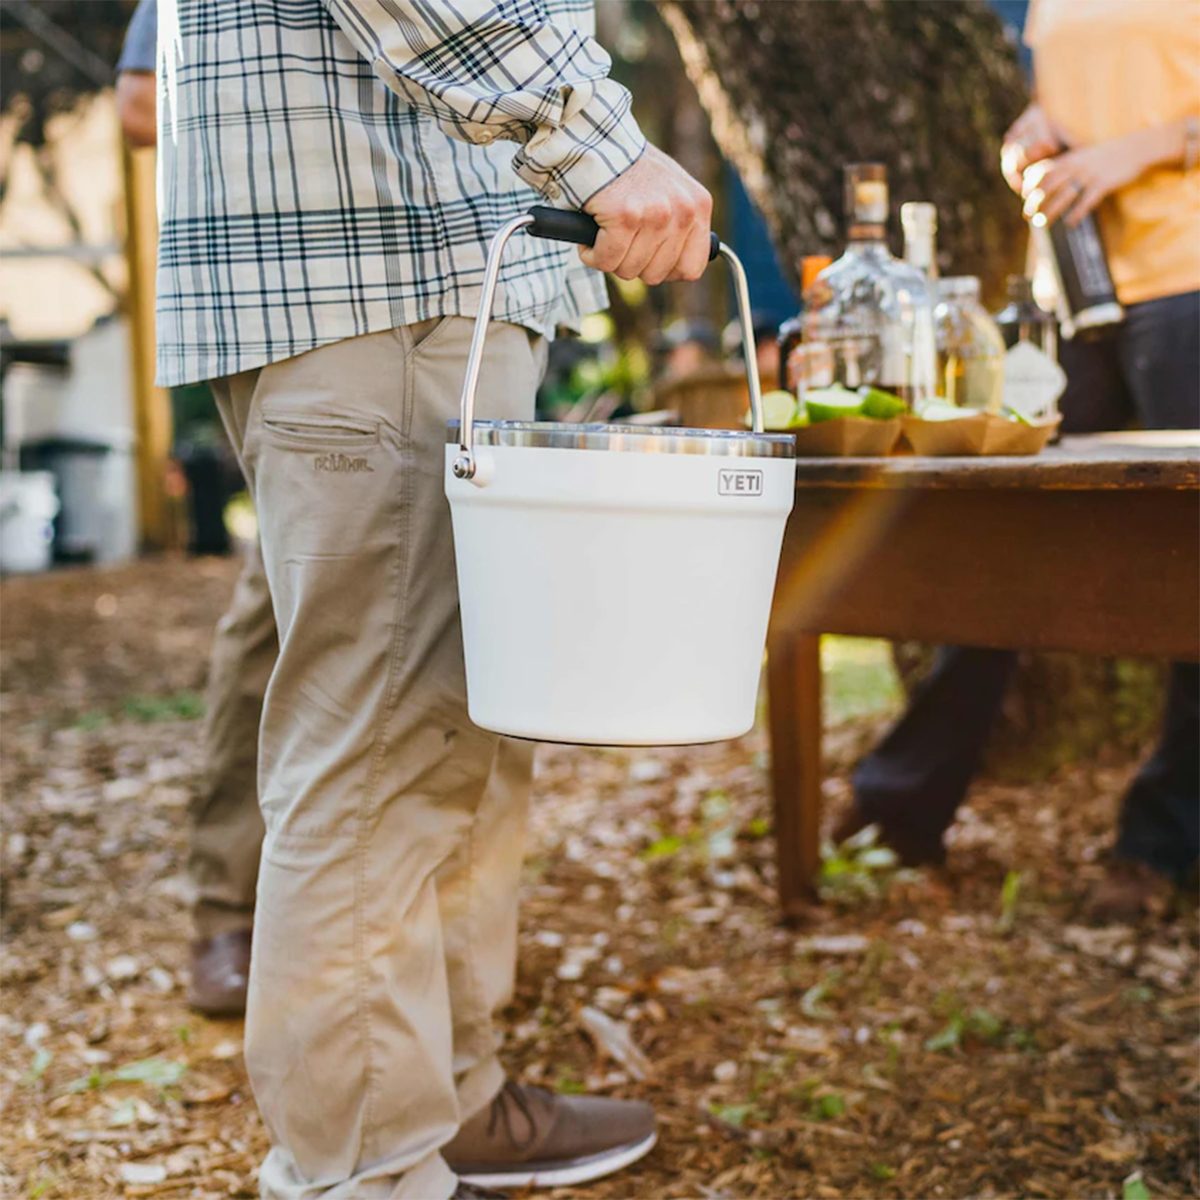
{"type": "Point", "coordinates": [331, 173]}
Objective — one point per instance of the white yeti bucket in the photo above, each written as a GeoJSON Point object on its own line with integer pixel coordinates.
{"type": "Point", "coordinates": [615, 581]}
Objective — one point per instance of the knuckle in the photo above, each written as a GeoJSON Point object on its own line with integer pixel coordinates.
{"type": "Point", "coordinates": [631, 215]}
{"type": "Point", "coordinates": [686, 212]}
{"type": "Point", "coordinates": [657, 216]}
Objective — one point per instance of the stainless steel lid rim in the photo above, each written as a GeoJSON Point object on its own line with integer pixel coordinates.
{"type": "Point", "coordinates": [732, 443]}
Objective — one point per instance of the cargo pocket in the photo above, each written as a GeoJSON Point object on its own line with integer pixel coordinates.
{"type": "Point", "coordinates": [302, 431]}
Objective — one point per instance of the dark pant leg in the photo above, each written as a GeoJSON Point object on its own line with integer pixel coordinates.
{"type": "Point", "coordinates": [1160, 817]}
{"type": "Point", "coordinates": [918, 775]}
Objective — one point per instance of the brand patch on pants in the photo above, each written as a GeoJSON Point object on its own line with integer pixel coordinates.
{"type": "Point", "coordinates": [341, 463]}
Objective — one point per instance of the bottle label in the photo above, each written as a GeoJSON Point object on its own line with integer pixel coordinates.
{"type": "Point", "coordinates": [1033, 382]}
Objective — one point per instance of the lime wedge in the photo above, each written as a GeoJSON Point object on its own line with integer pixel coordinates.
{"type": "Point", "coordinates": [779, 410]}
{"type": "Point", "coordinates": [881, 405]}
{"type": "Point", "coordinates": [943, 410]}
{"type": "Point", "coordinates": [827, 404]}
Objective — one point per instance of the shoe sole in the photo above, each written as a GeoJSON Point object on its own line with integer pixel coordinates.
{"type": "Point", "coordinates": [549, 1175]}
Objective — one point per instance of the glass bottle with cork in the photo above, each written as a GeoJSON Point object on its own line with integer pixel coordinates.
{"type": "Point", "coordinates": [864, 315]}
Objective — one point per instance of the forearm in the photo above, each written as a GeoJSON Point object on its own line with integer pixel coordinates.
{"type": "Point", "coordinates": [137, 107]}
{"type": "Point", "coordinates": [485, 71]}
{"type": "Point", "coordinates": [1169, 145]}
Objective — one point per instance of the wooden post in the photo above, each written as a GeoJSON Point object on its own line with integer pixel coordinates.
{"type": "Point", "coordinates": [152, 406]}
{"type": "Point", "coordinates": [794, 697]}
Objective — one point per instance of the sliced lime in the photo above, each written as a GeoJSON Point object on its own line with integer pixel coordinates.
{"type": "Point", "coordinates": [779, 409]}
{"type": "Point", "coordinates": [881, 405]}
{"type": "Point", "coordinates": [827, 404]}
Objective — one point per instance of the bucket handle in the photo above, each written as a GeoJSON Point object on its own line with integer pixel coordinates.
{"type": "Point", "coordinates": [562, 226]}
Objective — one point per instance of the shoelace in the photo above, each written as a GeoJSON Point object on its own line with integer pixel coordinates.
{"type": "Point", "coordinates": [501, 1112]}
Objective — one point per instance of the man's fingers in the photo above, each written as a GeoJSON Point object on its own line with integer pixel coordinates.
{"type": "Point", "coordinates": [612, 244]}
{"type": "Point", "coordinates": [694, 259]}
{"type": "Point", "coordinates": [664, 263]}
{"type": "Point", "coordinates": [648, 245]}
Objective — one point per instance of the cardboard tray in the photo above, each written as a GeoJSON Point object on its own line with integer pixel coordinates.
{"type": "Point", "coordinates": [982, 434]}
{"type": "Point", "coordinates": [847, 437]}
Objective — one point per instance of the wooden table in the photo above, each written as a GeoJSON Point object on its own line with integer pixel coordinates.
{"type": "Point", "coordinates": [1092, 546]}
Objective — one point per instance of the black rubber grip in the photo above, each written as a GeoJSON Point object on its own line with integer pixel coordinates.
{"type": "Point", "coordinates": [560, 225]}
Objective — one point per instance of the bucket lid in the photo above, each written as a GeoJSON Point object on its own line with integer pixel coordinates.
{"type": "Point", "coordinates": [635, 439]}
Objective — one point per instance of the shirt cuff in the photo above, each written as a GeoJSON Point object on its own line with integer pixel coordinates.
{"type": "Point", "coordinates": [597, 140]}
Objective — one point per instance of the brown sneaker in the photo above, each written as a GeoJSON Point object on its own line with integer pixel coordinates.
{"type": "Point", "coordinates": [1128, 892]}
{"type": "Point", "coordinates": [912, 848]}
{"type": "Point", "coordinates": [220, 972]}
{"type": "Point", "coordinates": [529, 1137]}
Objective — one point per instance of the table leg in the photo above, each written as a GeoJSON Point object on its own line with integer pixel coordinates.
{"type": "Point", "coordinates": [794, 692]}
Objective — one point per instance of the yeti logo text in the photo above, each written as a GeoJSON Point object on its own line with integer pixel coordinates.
{"type": "Point", "coordinates": [739, 483]}
{"type": "Point", "coordinates": [342, 463]}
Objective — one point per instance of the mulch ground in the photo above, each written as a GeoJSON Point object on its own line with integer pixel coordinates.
{"type": "Point", "coordinates": [949, 1035]}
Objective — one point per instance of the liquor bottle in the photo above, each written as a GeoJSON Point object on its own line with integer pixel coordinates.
{"type": "Point", "coordinates": [1086, 298]}
{"type": "Point", "coordinates": [1033, 380]}
{"type": "Point", "coordinates": [1022, 319]}
{"type": "Point", "coordinates": [918, 219]}
{"type": "Point", "coordinates": [970, 347]}
{"type": "Point", "coordinates": [864, 314]}
{"type": "Point", "coordinates": [792, 330]}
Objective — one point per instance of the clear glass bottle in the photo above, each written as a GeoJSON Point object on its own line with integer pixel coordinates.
{"type": "Point", "coordinates": [970, 347]}
{"type": "Point", "coordinates": [918, 219]}
{"type": "Point", "coordinates": [866, 311]}
{"type": "Point", "coordinates": [1033, 380]}
{"type": "Point", "coordinates": [791, 332]}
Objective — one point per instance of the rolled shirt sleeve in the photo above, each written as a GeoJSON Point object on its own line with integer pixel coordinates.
{"type": "Point", "coordinates": [139, 50]}
{"type": "Point", "coordinates": [487, 71]}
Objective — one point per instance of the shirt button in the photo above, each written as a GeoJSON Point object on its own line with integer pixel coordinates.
{"type": "Point", "coordinates": [553, 191]}
{"type": "Point", "coordinates": [485, 137]}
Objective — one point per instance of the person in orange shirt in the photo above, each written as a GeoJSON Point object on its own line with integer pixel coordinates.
{"type": "Point", "coordinates": [1114, 130]}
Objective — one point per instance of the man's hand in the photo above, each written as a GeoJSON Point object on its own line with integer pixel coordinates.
{"type": "Point", "coordinates": [1031, 138]}
{"type": "Point", "coordinates": [1072, 184]}
{"type": "Point", "coordinates": [654, 223]}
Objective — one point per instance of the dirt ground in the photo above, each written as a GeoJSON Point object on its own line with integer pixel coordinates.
{"type": "Point", "coordinates": [950, 1035]}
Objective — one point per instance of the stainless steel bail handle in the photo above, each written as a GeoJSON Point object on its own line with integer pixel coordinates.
{"type": "Point", "coordinates": [464, 464]}
{"type": "Point", "coordinates": [741, 292]}
{"type": "Point", "coordinates": [579, 228]}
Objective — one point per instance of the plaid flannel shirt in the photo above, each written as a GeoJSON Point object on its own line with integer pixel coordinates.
{"type": "Point", "coordinates": [335, 167]}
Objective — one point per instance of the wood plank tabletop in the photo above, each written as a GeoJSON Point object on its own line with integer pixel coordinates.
{"type": "Point", "coordinates": [1160, 460]}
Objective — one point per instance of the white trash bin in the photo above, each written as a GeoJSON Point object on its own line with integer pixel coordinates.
{"type": "Point", "coordinates": [615, 581]}
{"type": "Point", "coordinates": [28, 506]}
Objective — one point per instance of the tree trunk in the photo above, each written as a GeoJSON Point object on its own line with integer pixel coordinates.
{"type": "Point", "coordinates": [796, 90]}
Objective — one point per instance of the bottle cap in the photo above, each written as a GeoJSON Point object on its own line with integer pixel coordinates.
{"type": "Point", "coordinates": [918, 217]}
{"type": "Point", "coordinates": [811, 265]}
{"type": "Point", "coordinates": [866, 194]}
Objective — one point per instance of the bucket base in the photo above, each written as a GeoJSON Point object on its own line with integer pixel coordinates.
{"type": "Point", "coordinates": [614, 737]}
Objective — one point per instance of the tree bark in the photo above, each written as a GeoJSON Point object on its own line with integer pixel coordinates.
{"type": "Point", "coordinates": [797, 90]}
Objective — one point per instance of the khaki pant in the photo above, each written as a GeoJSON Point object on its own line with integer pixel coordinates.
{"type": "Point", "coordinates": [227, 829]}
{"type": "Point", "coordinates": [385, 927]}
